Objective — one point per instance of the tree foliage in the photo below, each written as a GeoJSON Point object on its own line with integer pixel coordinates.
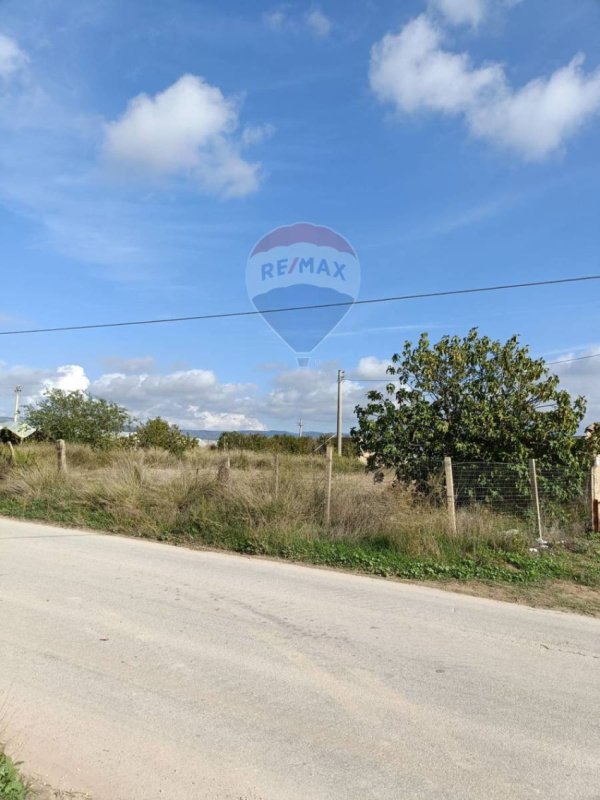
{"type": "Point", "coordinates": [471, 398]}
{"type": "Point", "coordinates": [77, 417]}
{"type": "Point", "coordinates": [159, 433]}
{"type": "Point", "coordinates": [278, 443]}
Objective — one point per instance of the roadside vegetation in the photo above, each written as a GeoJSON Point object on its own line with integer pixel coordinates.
{"type": "Point", "coordinates": [11, 785]}
{"type": "Point", "coordinates": [378, 529]}
{"type": "Point", "coordinates": [282, 443]}
{"type": "Point", "coordinates": [474, 399]}
{"type": "Point", "coordinates": [489, 405]}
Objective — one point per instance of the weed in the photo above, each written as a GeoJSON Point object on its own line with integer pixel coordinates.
{"type": "Point", "coordinates": [374, 529]}
{"type": "Point", "coordinates": [11, 786]}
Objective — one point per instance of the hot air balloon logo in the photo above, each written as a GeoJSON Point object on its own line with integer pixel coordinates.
{"type": "Point", "coordinates": [303, 265]}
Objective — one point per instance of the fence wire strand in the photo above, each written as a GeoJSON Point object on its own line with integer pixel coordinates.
{"type": "Point", "coordinates": [507, 489]}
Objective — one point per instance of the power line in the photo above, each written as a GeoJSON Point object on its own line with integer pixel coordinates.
{"type": "Point", "coordinates": [547, 363]}
{"type": "Point", "coordinates": [577, 358]}
{"type": "Point", "coordinates": [231, 314]}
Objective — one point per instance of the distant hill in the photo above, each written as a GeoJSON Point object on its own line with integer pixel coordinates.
{"type": "Point", "coordinates": [212, 436]}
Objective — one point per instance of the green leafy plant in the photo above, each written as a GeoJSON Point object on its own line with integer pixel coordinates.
{"type": "Point", "coordinates": [474, 399]}
{"type": "Point", "coordinates": [386, 531]}
{"type": "Point", "coordinates": [258, 442]}
{"type": "Point", "coordinates": [282, 443]}
{"type": "Point", "coordinates": [77, 417]}
{"type": "Point", "coordinates": [11, 786]}
{"type": "Point", "coordinates": [159, 433]}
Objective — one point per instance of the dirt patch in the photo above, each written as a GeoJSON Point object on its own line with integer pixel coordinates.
{"type": "Point", "coordinates": [41, 791]}
{"type": "Point", "coordinates": [559, 595]}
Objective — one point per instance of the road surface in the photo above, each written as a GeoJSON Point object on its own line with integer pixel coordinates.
{"type": "Point", "coordinates": [131, 669]}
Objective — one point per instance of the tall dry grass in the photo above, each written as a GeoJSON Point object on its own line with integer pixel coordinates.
{"type": "Point", "coordinates": [155, 494]}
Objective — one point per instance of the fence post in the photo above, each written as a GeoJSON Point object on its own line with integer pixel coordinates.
{"type": "Point", "coordinates": [276, 476]}
{"type": "Point", "coordinates": [61, 455]}
{"type": "Point", "coordinates": [535, 498]}
{"type": "Point", "coordinates": [329, 475]}
{"type": "Point", "coordinates": [224, 471]}
{"type": "Point", "coordinates": [450, 493]}
{"type": "Point", "coordinates": [138, 470]}
{"type": "Point", "coordinates": [12, 459]}
{"type": "Point", "coordinates": [595, 492]}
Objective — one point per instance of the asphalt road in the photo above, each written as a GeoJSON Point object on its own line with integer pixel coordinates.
{"type": "Point", "coordinates": [130, 669]}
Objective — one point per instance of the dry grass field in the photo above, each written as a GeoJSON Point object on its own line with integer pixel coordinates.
{"type": "Point", "coordinates": [374, 528]}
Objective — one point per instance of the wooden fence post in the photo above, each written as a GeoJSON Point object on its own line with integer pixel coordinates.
{"type": "Point", "coordinates": [450, 493]}
{"type": "Point", "coordinates": [224, 471]}
{"type": "Point", "coordinates": [535, 498]}
{"type": "Point", "coordinates": [12, 459]}
{"type": "Point", "coordinates": [595, 494]}
{"type": "Point", "coordinates": [276, 476]}
{"type": "Point", "coordinates": [138, 470]}
{"type": "Point", "coordinates": [329, 476]}
{"type": "Point", "coordinates": [61, 455]}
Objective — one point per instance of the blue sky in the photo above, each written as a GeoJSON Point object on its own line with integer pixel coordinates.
{"type": "Point", "coordinates": [145, 148]}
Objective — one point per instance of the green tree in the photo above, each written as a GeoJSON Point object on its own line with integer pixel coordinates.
{"type": "Point", "coordinates": [159, 433]}
{"type": "Point", "coordinates": [277, 443]}
{"type": "Point", "coordinates": [77, 417]}
{"type": "Point", "coordinates": [471, 398]}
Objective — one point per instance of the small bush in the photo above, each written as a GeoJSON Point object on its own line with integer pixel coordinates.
{"type": "Point", "coordinates": [11, 786]}
{"type": "Point", "coordinates": [158, 433]}
{"type": "Point", "coordinates": [259, 442]}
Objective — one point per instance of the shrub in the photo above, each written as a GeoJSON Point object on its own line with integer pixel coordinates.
{"type": "Point", "coordinates": [259, 442]}
{"type": "Point", "coordinates": [77, 417]}
{"type": "Point", "coordinates": [158, 433]}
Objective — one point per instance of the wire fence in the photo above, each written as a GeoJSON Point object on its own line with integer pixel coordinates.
{"type": "Point", "coordinates": [315, 490]}
{"type": "Point", "coordinates": [537, 500]}
{"type": "Point", "coordinates": [565, 500]}
{"type": "Point", "coordinates": [502, 488]}
{"type": "Point", "coordinates": [545, 500]}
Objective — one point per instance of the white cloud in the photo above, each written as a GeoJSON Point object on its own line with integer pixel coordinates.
{"type": "Point", "coordinates": [315, 21]}
{"type": "Point", "coordinates": [412, 71]}
{"type": "Point", "coordinates": [318, 23]}
{"type": "Point", "coordinates": [256, 134]}
{"type": "Point", "coordinates": [371, 368]}
{"type": "Point", "coordinates": [35, 381]}
{"type": "Point", "coordinates": [193, 398]}
{"type": "Point", "coordinates": [164, 132]}
{"type": "Point", "coordinates": [222, 421]}
{"type": "Point", "coordinates": [187, 129]}
{"type": "Point", "coordinates": [469, 12]}
{"type": "Point", "coordinates": [129, 365]}
{"type": "Point", "coordinates": [70, 378]}
{"type": "Point", "coordinates": [49, 176]}
{"type": "Point", "coordinates": [462, 12]}
{"type": "Point", "coordinates": [12, 58]}
{"type": "Point", "coordinates": [582, 378]}
{"type": "Point", "coordinates": [540, 117]}
{"type": "Point", "coordinates": [198, 399]}
{"type": "Point", "coordinates": [312, 394]}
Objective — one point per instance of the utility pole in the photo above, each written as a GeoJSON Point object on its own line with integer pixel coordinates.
{"type": "Point", "coordinates": [18, 390]}
{"type": "Point", "coordinates": [300, 427]}
{"type": "Point", "coordinates": [340, 411]}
